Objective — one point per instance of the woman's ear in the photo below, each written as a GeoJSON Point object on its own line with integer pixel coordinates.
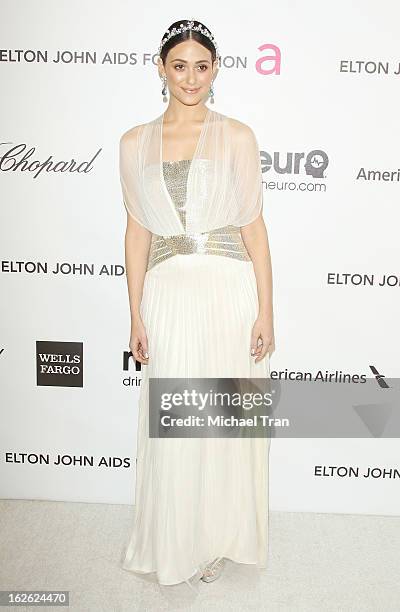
{"type": "Point", "coordinates": [160, 67]}
{"type": "Point", "coordinates": [215, 69]}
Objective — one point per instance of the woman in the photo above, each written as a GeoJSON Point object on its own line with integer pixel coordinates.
{"type": "Point", "coordinates": [200, 289]}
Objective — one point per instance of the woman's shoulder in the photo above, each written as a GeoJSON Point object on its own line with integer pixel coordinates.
{"type": "Point", "coordinates": [130, 136]}
{"type": "Point", "coordinates": [240, 130]}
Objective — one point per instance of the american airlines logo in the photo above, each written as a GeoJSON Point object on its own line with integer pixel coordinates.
{"type": "Point", "coordinates": [380, 378]}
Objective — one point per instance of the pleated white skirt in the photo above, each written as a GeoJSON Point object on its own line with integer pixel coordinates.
{"type": "Point", "coordinates": [201, 498]}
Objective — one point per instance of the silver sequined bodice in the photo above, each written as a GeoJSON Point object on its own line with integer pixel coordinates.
{"type": "Point", "coordinates": [225, 240]}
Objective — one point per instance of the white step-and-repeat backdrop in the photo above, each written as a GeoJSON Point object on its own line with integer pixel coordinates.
{"type": "Point", "coordinates": [320, 86]}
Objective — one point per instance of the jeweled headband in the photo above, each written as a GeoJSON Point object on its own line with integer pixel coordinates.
{"type": "Point", "coordinates": [190, 26]}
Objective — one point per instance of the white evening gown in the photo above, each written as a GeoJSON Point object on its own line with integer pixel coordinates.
{"type": "Point", "coordinates": [200, 498]}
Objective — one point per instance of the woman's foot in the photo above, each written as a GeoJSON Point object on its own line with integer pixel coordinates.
{"type": "Point", "coordinates": [213, 570]}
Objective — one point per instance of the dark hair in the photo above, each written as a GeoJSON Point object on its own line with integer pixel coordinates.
{"type": "Point", "coordinates": [187, 35]}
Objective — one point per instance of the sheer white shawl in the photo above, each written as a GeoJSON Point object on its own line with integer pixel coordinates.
{"type": "Point", "coordinates": [224, 184]}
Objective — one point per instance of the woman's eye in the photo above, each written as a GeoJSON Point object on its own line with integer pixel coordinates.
{"type": "Point", "coordinates": [202, 66]}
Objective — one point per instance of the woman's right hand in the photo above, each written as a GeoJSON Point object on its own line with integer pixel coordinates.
{"type": "Point", "coordinates": [138, 342]}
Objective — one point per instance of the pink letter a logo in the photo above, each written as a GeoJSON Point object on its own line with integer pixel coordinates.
{"type": "Point", "coordinates": [275, 58]}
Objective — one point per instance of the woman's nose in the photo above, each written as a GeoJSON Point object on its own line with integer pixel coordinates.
{"type": "Point", "coordinates": [191, 78]}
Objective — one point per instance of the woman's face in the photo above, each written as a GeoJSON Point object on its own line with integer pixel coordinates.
{"type": "Point", "coordinates": [189, 71]}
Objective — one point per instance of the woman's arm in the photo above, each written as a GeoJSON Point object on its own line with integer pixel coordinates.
{"type": "Point", "coordinates": [248, 191]}
{"type": "Point", "coordinates": [255, 238]}
{"type": "Point", "coordinates": [137, 246]}
{"type": "Point", "coordinates": [137, 237]}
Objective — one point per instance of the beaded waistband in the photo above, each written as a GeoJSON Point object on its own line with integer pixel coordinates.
{"type": "Point", "coordinates": [226, 241]}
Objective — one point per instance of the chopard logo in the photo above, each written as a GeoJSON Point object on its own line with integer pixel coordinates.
{"type": "Point", "coordinates": [20, 158]}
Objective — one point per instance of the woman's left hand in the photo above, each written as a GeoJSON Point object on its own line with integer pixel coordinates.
{"type": "Point", "coordinates": [262, 338]}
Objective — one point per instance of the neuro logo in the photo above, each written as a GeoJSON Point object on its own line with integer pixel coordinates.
{"type": "Point", "coordinates": [59, 364]}
{"type": "Point", "coordinates": [314, 163]}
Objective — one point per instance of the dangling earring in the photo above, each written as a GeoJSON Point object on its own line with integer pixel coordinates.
{"type": "Point", "coordinates": [164, 89]}
{"type": "Point", "coordinates": [211, 92]}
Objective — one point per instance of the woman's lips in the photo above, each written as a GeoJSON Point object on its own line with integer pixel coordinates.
{"type": "Point", "coordinates": [191, 91]}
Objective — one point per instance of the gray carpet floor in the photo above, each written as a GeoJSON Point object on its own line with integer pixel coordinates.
{"type": "Point", "coordinates": [317, 562]}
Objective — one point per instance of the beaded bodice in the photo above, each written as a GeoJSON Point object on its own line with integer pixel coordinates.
{"type": "Point", "coordinates": [225, 241]}
{"type": "Point", "coordinates": [175, 177]}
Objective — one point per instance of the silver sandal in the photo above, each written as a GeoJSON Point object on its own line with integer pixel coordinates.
{"type": "Point", "coordinates": [213, 570]}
